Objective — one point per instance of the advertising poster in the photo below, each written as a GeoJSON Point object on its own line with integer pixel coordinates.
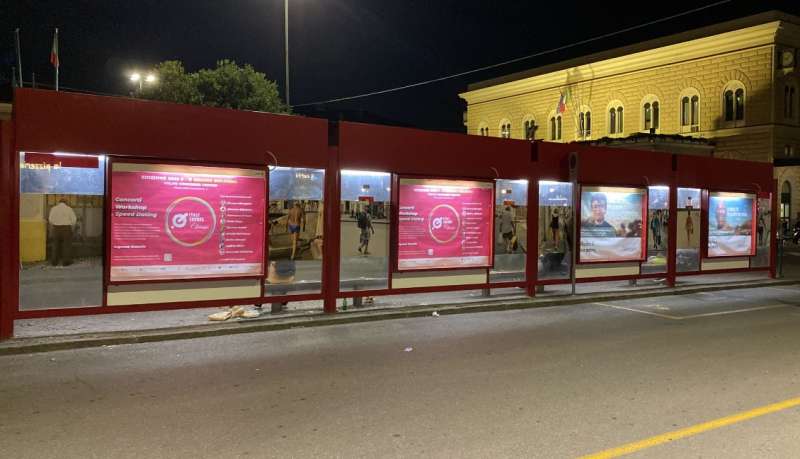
{"type": "Point", "coordinates": [186, 222]}
{"type": "Point", "coordinates": [445, 224]}
{"type": "Point", "coordinates": [611, 224]}
{"type": "Point", "coordinates": [730, 224]}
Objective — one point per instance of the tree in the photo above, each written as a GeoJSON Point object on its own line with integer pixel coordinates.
{"type": "Point", "coordinates": [228, 85]}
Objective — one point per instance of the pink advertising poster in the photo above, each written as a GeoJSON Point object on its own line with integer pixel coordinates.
{"type": "Point", "coordinates": [444, 224]}
{"type": "Point", "coordinates": [185, 222]}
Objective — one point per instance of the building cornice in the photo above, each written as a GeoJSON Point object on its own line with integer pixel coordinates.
{"type": "Point", "coordinates": [720, 44]}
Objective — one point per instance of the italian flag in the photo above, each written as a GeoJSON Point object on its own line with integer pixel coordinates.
{"type": "Point", "coordinates": [54, 51]}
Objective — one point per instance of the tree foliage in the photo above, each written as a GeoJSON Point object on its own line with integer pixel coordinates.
{"type": "Point", "coordinates": [227, 85]}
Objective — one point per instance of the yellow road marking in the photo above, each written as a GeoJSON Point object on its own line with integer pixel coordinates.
{"type": "Point", "coordinates": [693, 430]}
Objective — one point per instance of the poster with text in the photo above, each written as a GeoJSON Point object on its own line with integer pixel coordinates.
{"type": "Point", "coordinates": [611, 224]}
{"type": "Point", "coordinates": [730, 224]}
{"type": "Point", "coordinates": [185, 222]}
{"type": "Point", "coordinates": [445, 224]}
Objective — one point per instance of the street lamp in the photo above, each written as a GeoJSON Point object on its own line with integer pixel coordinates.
{"type": "Point", "coordinates": [286, 45]}
{"type": "Point", "coordinates": [136, 77]}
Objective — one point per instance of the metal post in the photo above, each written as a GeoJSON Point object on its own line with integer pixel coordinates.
{"type": "Point", "coordinates": [19, 57]}
{"type": "Point", "coordinates": [286, 45]}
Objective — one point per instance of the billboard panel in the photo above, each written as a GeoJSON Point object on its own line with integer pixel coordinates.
{"type": "Point", "coordinates": [611, 224]}
{"type": "Point", "coordinates": [444, 224]}
{"type": "Point", "coordinates": [185, 222]}
{"type": "Point", "coordinates": [731, 224]}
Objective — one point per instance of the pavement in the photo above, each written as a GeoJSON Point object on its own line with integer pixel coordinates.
{"type": "Point", "coordinates": [43, 335]}
{"type": "Point", "coordinates": [703, 374]}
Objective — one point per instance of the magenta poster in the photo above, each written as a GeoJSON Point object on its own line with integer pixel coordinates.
{"type": "Point", "coordinates": [444, 224]}
{"type": "Point", "coordinates": [185, 222]}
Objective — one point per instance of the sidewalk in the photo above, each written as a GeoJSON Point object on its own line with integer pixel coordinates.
{"type": "Point", "coordinates": [41, 335]}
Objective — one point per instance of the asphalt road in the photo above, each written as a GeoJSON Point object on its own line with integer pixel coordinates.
{"type": "Point", "coordinates": [552, 382]}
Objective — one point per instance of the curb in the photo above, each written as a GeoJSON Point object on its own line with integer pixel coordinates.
{"type": "Point", "coordinates": [65, 342]}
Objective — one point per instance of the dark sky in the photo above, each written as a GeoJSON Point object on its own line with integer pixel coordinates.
{"type": "Point", "coordinates": [338, 47]}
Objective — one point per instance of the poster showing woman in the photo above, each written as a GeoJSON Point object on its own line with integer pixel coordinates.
{"type": "Point", "coordinates": [611, 224]}
{"type": "Point", "coordinates": [730, 224]}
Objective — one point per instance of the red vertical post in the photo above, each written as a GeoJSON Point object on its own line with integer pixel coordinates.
{"type": "Point", "coordinates": [532, 256]}
{"type": "Point", "coordinates": [9, 232]}
{"type": "Point", "coordinates": [774, 231]}
{"type": "Point", "coordinates": [672, 227]}
{"type": "Point", "coordinates": [331, 252]}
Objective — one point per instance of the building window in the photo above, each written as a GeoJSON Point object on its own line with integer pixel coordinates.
{"type": "Point", "coordinates": [505, 130]}
{"type": "Point", "coordinates": [788, 151]}
{"type": "Point", "coordinates": [650, 113]}
{"type": "Point", "coordinates": [555, 127]}
{"type": "Point", "coordinates": [786, 203]}
{"type": "Point", "coordinates": [615, 120]}
{"type": "Point", "coordinates": [789, 103]}
{"type": "Point", "coordinates": [690, 111]}
{"type": "Point", "coordinates": [733, 100]}
{"type": "Point", "coordinates": [585, 124]}
{"type": "Point", "coordinates": [529, 129]}
{"type": "Point", "coordinates": [483, 130]}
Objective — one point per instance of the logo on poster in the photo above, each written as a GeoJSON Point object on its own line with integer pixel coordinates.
{"type": "Point", "coordinates": [190, 221]}
{"type": "Point", "coordinates": [444, 223]}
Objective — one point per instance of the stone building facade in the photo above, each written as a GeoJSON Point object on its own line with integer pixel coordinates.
{"type": "Point", "coordinates": [736, 84]}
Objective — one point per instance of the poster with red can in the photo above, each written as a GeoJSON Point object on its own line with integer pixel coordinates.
{"type": "Point", "coordinates": [186, 222]}
{"type": "Point", "coordinates": [444, 224]}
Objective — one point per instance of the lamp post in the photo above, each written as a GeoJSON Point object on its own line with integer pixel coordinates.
{"type": "Point", "coordinates": [137, 78]}
{"type": "Point", "coordinates": [286, 45]}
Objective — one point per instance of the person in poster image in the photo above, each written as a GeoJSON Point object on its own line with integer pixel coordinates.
{"type": "Point", "coordinates": [655, 227]}
{"type": "Point", "coordinates": [596, 225]}
{"type": "Point", "coordinates": [722, 217]}
{"type": "Point", "coordinates": [507, 228]}
{"type": "Point", "coordinates": [364, 223]}
{"type": "Point", "coordinates": [295, 222]}
{"type": "Point", "coordinates": [689, 225]}
{"type": "Point", "coordinates": [760, 227]}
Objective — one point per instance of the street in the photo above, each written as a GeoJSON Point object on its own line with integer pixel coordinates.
{"type": "Point", "coordinates": [551, 382]}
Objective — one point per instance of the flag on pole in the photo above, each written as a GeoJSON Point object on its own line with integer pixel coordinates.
{"type": "Point", "coordinates": [563, 100]}
{"type": "Point", "coordinates": [54, 51]}
{"type": "Point", "coordinates": [54, 55]}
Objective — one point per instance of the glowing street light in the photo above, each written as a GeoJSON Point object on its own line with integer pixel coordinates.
{"type": "Point", "coordinates": [136, 77]}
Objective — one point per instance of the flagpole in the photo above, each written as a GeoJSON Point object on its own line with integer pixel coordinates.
{"type": "Point", "coordinates": [19, 56]}
{"type": "Point", "coordinates": [57, 63]}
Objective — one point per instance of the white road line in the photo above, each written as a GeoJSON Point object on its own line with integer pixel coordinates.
{"type": "Point", "coordinates": [736, 311]}
{"type": "Point", "coordinates": [663, 316]}
{"type": "Point", "coordinates": [694, 316]}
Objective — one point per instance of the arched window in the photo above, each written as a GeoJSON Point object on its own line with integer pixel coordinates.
{"type": "Point", "coordinates": [650, 113]}
{"type": "Point", "coordinates": [786, 202]}
{"type": "Point", "coordinates": [690, 110]}
{"type": "Point", "coordinates": [505, 129]}
{"type": "Point", "coordinates": [612, 121]}
{"type": "Point", "coordinates": [529, 129]}
{"type": "Point", "coordinates": [789, 101]}
{"type": "Point", "coordinates": [584, 123]}
{"type": "Point", "coordinates": [483, 130]}
{"type": "Point", "coordinates": [555, 127]}
{"type": "Point", "coordinates": [733, 101]}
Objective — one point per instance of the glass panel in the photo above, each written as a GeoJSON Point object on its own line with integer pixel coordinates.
{"type": "Point", "coordinates": [739, 104]}
{"type": "Point", "coordinates": [620, 124]}
{"type": "Point", "coordinates": [612, 121]}
{"type": "Point", "coordinates": [365, 212]}
{"type": "Point", "coordinates": [685, 111]}
{"type": "Point", "coordinates": [647, 116]}
{"type": "Point", "coordinates": [688, 248]}
{"type": "Point", "coordinates": [61, 230]}
{"type": "Point", "coordinates": [657, 230]}
{"type": "Point", "coordinates": [294, 262]}
{"type": "Point", "coordinates": [728, 105]}
{"type": "Point", "coordinates": [695, 110]}
{"type": "Point", "coordinates": [764, 218]}
{"type": "Point", "coordinates": [555, 230]}
{"type": "Point", "coordinates": [588, 123]}
{"type": "Point", "coordinates": [510, 231]}
{"type": "Point", "coordinates": [558, 128]}
{"type": "Point", "coordinates": [655, 115]}
{"type": "Point", "coordinates": [552, 129]}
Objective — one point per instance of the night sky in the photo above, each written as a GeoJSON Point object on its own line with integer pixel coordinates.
{"type": "Point", "coordinates": [337, 47]}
